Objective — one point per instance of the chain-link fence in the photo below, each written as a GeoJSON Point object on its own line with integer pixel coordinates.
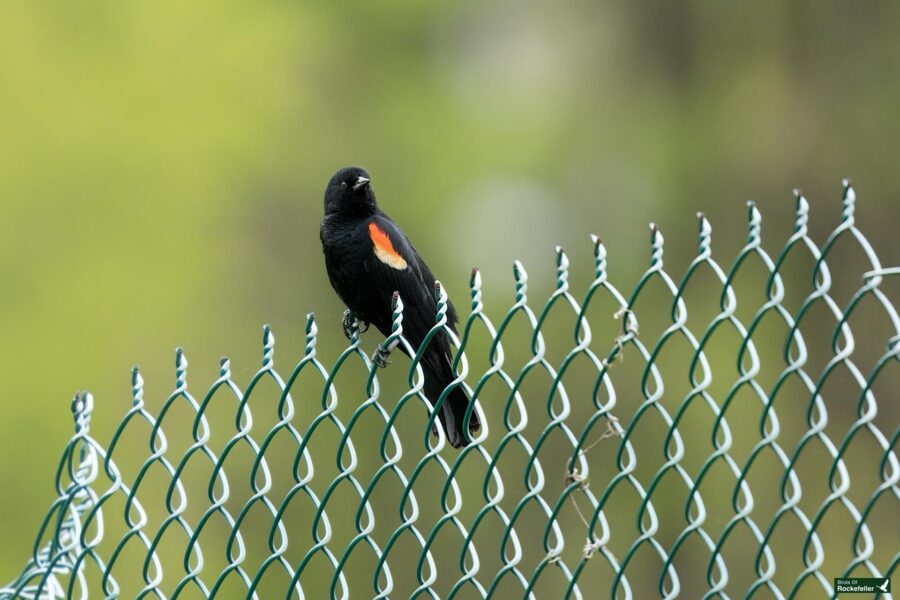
{"type": "Point", "coordinates": [742, 447]}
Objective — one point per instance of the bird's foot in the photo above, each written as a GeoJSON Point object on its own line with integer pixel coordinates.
{"type": "Point", "coordinates": [347, 324]}
{"type": "Point", "coordinates": [380, 357]}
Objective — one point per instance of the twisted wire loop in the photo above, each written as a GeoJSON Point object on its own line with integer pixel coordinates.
{"type": "Point", "coordinates": [669, 473]}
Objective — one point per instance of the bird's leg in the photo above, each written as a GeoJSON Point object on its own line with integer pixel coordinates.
{"type": "Point", "coordinates": [347, 323]}
{"type": "Point", "coordinates": [382, 352]}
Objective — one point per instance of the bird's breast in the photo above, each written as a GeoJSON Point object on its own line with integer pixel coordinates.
{"type": "Point", "coordinates": [346, 247]}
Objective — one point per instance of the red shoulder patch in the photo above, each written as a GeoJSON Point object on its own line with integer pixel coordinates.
{"type": "Point", "coordinates": [384, 249]}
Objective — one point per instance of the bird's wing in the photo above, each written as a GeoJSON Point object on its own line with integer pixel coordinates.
{"type": "Point", "coordinates": [394, 265]}
{"type": "Point", "coordinates": [428, 278]}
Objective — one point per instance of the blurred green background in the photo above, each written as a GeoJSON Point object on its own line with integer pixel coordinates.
{"type": "Point", "coordinates": [162, 167]}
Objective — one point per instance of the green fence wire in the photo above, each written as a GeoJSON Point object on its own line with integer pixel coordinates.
{"type": "Point", "coordinates": [620, 461]}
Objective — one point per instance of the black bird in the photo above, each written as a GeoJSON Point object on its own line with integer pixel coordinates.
{"type": "Point", "coordinates": [368, 258]}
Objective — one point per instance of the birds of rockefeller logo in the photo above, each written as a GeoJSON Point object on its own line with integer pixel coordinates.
{"type": "Point", "coordinates": [862, 585]}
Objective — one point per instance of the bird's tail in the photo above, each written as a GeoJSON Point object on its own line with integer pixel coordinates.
{"type": "Point", "coordinates": [453, 411]}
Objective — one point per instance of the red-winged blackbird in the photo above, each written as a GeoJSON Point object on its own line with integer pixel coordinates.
{"type": "Point", "coordinates": [368, 258]}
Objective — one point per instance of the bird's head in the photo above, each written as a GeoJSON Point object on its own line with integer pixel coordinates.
{"type": "Point", "coordinates": [350, 192]}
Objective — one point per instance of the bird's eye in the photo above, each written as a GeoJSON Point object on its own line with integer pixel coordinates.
{"type": "Point", "coordinates": [343, 184]}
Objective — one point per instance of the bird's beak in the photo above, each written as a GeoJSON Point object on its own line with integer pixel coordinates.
{"type": "Point", "coordinates": [360, 182]}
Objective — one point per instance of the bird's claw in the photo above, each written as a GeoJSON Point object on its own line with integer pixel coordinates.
{"type": "Point", "coordinates": [347, 324]}
{"type": "Point", "coordinates": [348, 321]}
{"type": "Point", "coordinates": [382, 352]}
{"type": "Point", "coordinates": [380, 356]}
